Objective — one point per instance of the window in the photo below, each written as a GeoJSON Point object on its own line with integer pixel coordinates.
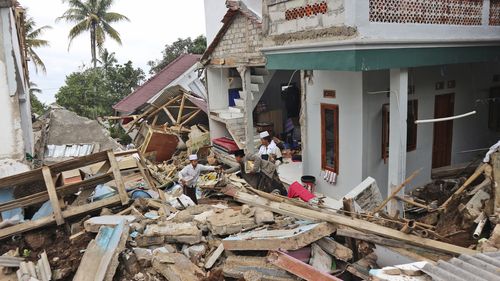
{"type": "Point", "coordinates": [330, 137]}
{"type": "Point", "coordinates": [411, 129]}
{"type": "Point", "coordinates": [494, 118]}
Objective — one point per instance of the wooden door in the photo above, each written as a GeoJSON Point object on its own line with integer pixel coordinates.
{"type": "Point", "coordinates": [443, 131]}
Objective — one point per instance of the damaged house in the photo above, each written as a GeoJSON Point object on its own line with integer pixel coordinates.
{"type": "Point", "coordinates": [361, 64]}
{"type": "Point", "coordinates": [159, 114]}
{"type": "Point", "coordinates": [15, 114]}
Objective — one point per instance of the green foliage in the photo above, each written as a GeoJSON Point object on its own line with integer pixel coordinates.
{"type": "Point", "coordinates": [179, 47]}
{"type": "Point", "coordinates": [93, 91]}
{"type": "Point", "coordinates": [117, 132]}
{"type": "Point", "coordinates": [32, 38]}
{"type": "Point", "coordinates": [92, 16]}
{"type": "Point", "coordinates": [36, 105]}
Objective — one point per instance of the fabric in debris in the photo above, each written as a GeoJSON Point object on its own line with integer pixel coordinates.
{"type": "Point", "coordinates": [102, 191]}
{"type": "Point", "coordinates": [297, 190]}
{"type": "Point", "coordinates": [44, 211]}
{"type": "Point", "coordinates": [493, 149]}
{"type": "Point", "coordinates": [7, 195]}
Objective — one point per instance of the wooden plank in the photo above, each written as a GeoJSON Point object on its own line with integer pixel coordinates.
{"type": "Point", "coordinates": [170, 116]}
{"type": "Point", "coordinates": [51, 189]}
{"type": "Point", "coordinates": [290, 239]}
{"type": "Point", "coordinates": [71, 212]}
{"type": "Point", "coordinates": [61, 191]}
{"type": "Point", "coordinates": [118, 177]}
{"type": "Point", "coordinates": [303, 213]}
{"type": "Point", "coordinates": [193, 115]}
{"type": "Point", "coordinates": [100, 260]}
{"type": "Point", "coordinates": [495, 163]}
{"type": "Point", "coordinates": [22, 178]}
{"type": "Point", "coordinates": [335, 249]}
{"type": "Point", "coordinates": [298, 268]}
{"type": "Point", "coordinates": [78, 162]}
{"type": "Point", "coordinates": [210, 261]}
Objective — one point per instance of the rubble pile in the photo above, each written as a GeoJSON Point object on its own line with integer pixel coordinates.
{"type": "Point", "coordinates": [235, 232]}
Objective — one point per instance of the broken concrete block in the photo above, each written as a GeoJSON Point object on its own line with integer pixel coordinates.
{"type": "Point", "coordinates": [475, 206]}
{"type": "Point", "coordinates": [229, 222]}
{"type": "Point", "coordinates": [287, 239]}
{"type": "Point", "coordinates": [195, 252]}
{"type": "Point", "coordinates": [144, 256]}
{"type": "Point", "coordinates": [95, 223]}
{"type": "Point", "coordinates": [320, 259]}
{"type": "Point", "coordinates": [175, 232]}
{"type": "Point", "coordinates": [390, 270]}
{"type": "Point", "coordinates": [366, 195]}
{"type": "Point", "coordinates": [176, 267]}
{"type": "Point", "coordinates": [263, 216]}
{"type": "Point", "coordinates": [237, 266]}
{"type": "Point", "coordinates": [130, 261]}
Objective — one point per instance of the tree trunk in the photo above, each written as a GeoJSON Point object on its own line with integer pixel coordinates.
{"type": "Point", "coordinates": [93, 45]}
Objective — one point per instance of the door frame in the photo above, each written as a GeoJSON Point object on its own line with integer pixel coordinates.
{"type": "Point", "coordinates": [449, 137]}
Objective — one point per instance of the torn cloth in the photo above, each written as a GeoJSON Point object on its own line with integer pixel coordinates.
{"type": "Point", "coordinates": [297, 190]}
{"type": "Point", "coordinates": [493, 149]}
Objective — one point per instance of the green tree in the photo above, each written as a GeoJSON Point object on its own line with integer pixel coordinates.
{"type": "Point", "coordinates": [179, 47]}
{"type": "Point", "coordinates": [33, 41]}
{"type": "Point", "coordinates": [79, 94]}
{"type": "Point", "coordinates": [92, 16]}
{"type": "Point", "coordinates": [36, 105]}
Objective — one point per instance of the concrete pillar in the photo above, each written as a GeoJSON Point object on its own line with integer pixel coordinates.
{"type": "Point", "coordinates": [249, 130]}
{"type": "Point", "coordinates": [397, 133]}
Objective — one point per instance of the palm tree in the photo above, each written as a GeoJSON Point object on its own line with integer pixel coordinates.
{"type": "Point", "coordinates": [92, 16]}
{"type": "Point", "coordinates": [32, 34]}
{"type": "Point", "coordinates": [107, 59]}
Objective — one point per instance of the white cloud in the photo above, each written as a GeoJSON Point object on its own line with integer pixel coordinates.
{"type": "Point", "coordinates": [153, 23]}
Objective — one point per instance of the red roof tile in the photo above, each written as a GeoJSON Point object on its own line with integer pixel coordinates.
{"type": "Point", "coordinates": [157, 83]}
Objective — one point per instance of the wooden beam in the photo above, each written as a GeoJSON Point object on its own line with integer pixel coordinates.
{"type": "Point", "coordinates": [181, 109]}
{"type": "Point", "coordinates": [71, 212]}
{"type": "Point", "coordinates": [118, 177]}
{"type": "Point", "coordinates": [298, 268]}
{"type": "Point", "coordinates": [170, 116]}
{"type": "Point", "coordinates": [471, 179]}
{"type": "Point", "coordinates": [194, 113]}
{"type": "Point", "coordinates": [396, 191]}
{"type": "Point", "coordinates": [51, 189]}
{"type": "Point", "coordinates": [303, 213]}
{"type": "Point", "coordinates": [43, 196]}
{"type": "Point", "coordinates": [495, 163]}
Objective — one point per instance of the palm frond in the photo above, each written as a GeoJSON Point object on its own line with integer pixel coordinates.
{"type": "Point", "coordinates": [37, 61]}
{"type": "Point", "coordinates": [111, 32]}
{"type": "Point", "coordinates": [114, 17]}
{"type": "Point", "coordinates": [77, 30]}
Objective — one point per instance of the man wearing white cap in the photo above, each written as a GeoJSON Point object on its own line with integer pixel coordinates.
{"type": "Point", "coordinates": [188, 176]}
{"type": "Point", "coordinates": [269, 151]}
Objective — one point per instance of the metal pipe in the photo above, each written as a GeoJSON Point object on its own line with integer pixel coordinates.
{"type": "Point", "coordinates": [408, 227]}
{"type": "Point", "coordinates": [479, 229]}
{"type": "Point", "coordinates": [446, 118]}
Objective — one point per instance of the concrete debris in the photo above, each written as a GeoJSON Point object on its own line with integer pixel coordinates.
{"type": "Point", "coordinates": [236, 231]}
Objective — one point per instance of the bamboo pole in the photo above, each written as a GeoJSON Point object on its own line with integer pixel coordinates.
{"type": "Point", "coordinates": [464, 186]}
{"type": "Point", "coordinates": [396, 191]}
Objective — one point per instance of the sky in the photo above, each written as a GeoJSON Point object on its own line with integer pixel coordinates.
{"type": "Point", "coordinates": [153, 24]}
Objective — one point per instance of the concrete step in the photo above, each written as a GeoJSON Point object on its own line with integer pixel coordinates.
{"type": "Point", "coordinates": [257, 79]}
{"type": "Point", "coordinates": [240, 103]}
{"type": "Point", "coordinates": [254, 88]}
{"type": "Point", "coordinates": [262, 71]}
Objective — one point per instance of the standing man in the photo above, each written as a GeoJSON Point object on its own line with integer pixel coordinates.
{"type": "Point", "coordinates": [268, 150]}
{"type": "Point", "coordinates": [258, 173]}
{"type": "Point", "coordinates": [188, 176]}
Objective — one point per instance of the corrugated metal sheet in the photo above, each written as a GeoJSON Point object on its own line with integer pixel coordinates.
{"type": "Point", "coordinates": [479, 267]}
{"type": "Point", "coordinates": [68, 150]}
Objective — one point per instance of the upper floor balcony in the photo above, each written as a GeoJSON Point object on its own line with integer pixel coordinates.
{"type": "Point", "coordinates": [300, 22]}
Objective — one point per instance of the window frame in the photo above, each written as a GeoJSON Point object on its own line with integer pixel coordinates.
{"type": "Point", "coordinates": [335, 109]}
{"type": "Point", "coordinates": [411, 145]}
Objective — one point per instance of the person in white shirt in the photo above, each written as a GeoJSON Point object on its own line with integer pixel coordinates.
{"type": "Point", "coordinates": [189, 175]}
{"type": "Point", "coordinates": [269, 151]}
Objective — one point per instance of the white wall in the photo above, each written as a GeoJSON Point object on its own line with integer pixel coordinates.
{"type": "Point", "coordinates": [473, 82]}
{"type": "Point", "coordinates": [15, 116]}
{"type": "Point", "coordinates": [348, 87]}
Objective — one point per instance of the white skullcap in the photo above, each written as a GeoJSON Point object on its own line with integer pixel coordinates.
{"type": "Point", "coordinates": [264, 134]}
{"type": "Point", "coordinates": [193, 157]}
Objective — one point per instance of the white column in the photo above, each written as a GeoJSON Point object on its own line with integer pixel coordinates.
{"type": "Point", "coordinates": [397, 133]}
{"type": "Point", "coordinates": [249, 130]}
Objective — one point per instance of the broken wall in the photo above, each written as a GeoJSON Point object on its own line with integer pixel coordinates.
{"type": "Point", "coordinates": [304, 21]}
{"type": "Point", "coordinates": [241, 43]}
{"type": "Point", "coordinates": [15, 112]}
